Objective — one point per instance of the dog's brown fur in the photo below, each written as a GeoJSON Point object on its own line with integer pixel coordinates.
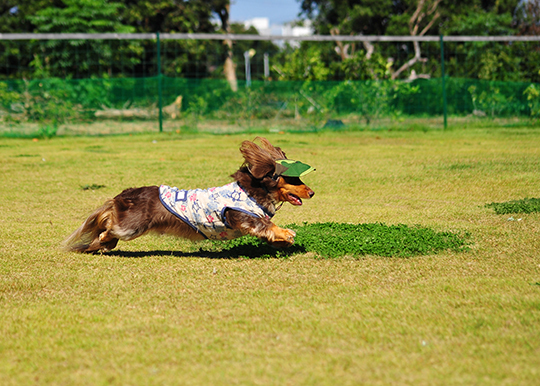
{"type": "Point", "coordinates": [137, 211]}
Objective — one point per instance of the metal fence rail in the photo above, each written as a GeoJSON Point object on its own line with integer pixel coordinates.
{"type": "Point", "coordinates": [249, 37]}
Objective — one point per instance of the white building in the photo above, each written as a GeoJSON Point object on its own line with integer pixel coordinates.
{"type": "Point", "coordinates": [262, 24]}
{"type": "Point", "coordinates": [305, 30]}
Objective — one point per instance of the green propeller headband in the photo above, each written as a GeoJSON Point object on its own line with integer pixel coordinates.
{"type": "Point", "coordinates": [291, 168]}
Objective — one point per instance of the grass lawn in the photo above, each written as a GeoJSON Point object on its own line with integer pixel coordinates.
{"type": "Point", "coordinates": [162, 311]}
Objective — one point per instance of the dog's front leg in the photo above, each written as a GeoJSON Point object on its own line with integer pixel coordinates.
{"type": "Point", "coordinates": [259, 227]}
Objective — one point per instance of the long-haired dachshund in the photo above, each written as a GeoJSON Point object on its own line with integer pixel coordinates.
{"type": "Point", "coordinates": [243, 207]}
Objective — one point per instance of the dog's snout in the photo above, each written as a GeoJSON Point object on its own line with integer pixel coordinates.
{"type": "Point", "coordinates": [311, 193]}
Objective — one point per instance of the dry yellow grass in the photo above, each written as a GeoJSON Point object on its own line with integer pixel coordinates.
{"type": "Point", "coordinates": [159, 312]}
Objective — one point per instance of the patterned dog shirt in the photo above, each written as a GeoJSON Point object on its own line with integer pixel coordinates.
{"type": "Point", "coordinates": [204, 209]}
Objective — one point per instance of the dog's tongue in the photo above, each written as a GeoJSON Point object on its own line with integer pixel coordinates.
{"type": "Point", "coordinates": [294, 199]}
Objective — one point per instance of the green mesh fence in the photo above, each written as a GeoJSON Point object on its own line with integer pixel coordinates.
{"type": "Point", "coordinates": [52, 87]}
{"type": "Point", "coordinates": [99, 106]}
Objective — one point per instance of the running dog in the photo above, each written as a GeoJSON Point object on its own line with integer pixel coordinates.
{"type": "Point", "coordinates": [246, 206]}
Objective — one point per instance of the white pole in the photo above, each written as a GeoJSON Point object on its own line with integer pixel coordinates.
{"type": "Point", "coordinates": [248, 68]}
{"type": "Point", "coordinates": [266, 66]}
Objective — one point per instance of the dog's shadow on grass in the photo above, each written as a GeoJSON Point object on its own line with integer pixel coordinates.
{"type": "Point", "coordinates": [236, 252]}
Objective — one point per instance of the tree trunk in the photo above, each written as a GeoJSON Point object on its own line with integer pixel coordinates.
{"type": "Point", "coordinates": [229, 68]}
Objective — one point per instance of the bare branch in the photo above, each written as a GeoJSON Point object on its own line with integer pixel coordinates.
{"type": "Point", "coordinates": [427, 27]}
{"type": "Point", "coordinates": [341, 48]}
{"type": "Point", "coordinates": [369, 49]}
{"type": "Point", "coordinates": [414, 25]}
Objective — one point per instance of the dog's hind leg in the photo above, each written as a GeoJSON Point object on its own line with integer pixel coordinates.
{"type": "Point", "coordinates": [89, 236]}
{"type": "Point", "coordinates": [107, 241]}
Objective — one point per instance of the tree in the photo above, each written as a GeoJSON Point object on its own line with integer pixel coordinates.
{"type": "Point", "coordinates": [304, 63]}
{"type": "Point", "coordinates": [194, 16]}
{"type": "Point", "coordinates": [168, 15]}
{"type": "Point", "coordinates": [14, 14]}
{"type": "Point", "coordinates": [87, 16]}
{"type": "Point", "coordinates": [483, 60]}
{"type": "Point", "coordinates": [367, 17]}
{"type": "Point", "coordinates": [119, 16]}
{"type": "Point", "coordinates": [527, 20]}
{"type": "Point", "coordinates": [358, 17]}
{"type": "Point", "coordinates": [14, 19]}
{"type": "Point", "coordinates": [63, 58]}
{"type": "Point", "coordinates": [407, 17]}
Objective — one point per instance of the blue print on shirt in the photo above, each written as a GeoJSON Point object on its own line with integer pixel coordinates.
{"type": "Point", "coordinates": [204, 209]}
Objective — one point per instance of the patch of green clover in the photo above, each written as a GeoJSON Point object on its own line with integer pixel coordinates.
{"type": "Point", "coordinates": [526, 205]}
{"type": "Point", "coordinates": [329, 240]}
{"type": "Point", "coordinates": [92, 187]}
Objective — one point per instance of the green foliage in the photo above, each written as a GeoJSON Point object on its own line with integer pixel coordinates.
{"type": "Point", "coordinates": [490, 100]}
{"type": "Point", "coordinates": [47, 130]}
{"type": "Point", "coordinates": [314, 61]}
{"type": "Point", "coordinates": [500, 64]}
{"type": "Point", "coordinates": [305, 63]}
{"type": "Point", "coordinates": [320, 62]}
{"type": "Point", "coordinates": [77, 59]}
{"type": "Point", "coordinates": [89, 16]}
{"type": "Point", "coordinates": [526, 205]}
{"type": "Point", "coordinates": [171, 15]}
{"type": "Point", "coordinates": [197, 106]}
{"type": "Point", "coordinates": [49, 101]}
{"type": "Point", "coordinates": [54, 101]}
{"type": "Point", "coordinates": [336, 240]}
{"type": "Point", "coordinates": [358, 67]}
{"type": "Point", "coordinates": [14, 14]}
{"type": "Point", "coordinates": [8, 96]}
{"type": "Point", "coordinates": [368, 98]}
{"type": "Point", "coordinates": [533, 100]}
{"type": "Point", "coordinates": [58, 100]}
{"type": "Point", "coordinates": [411, 98]}
{"type": "Point", "coordinates": [476, 23]}
{"type": "Point", "coordinates": [369, 17]}
{"type": "Point", "coordinates": [484, 60]}
{"type": "Point", "coordinates": [479, 60]}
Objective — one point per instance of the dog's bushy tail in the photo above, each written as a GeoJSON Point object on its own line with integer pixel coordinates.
{"type": "Point", "coordinates": [86, 237]}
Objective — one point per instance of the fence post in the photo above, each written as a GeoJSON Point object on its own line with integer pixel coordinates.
{"type": "Point", "coordinates": [160, 104]}
{"type": "Point", "coordinates": [266, 66]}
{"type": "Point", "coordinates": [247, 63]}
{"type": "Point", "coordinates": [443, 83]}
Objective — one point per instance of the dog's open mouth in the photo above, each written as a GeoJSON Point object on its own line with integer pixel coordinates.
{"type": "Point", "coordinates": [294, 199]}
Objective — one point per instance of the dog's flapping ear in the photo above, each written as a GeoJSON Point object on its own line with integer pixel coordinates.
{"type": "Point", "coordinates": [261, 160]}
{"type": "Point", "coordinates": [275, 152]}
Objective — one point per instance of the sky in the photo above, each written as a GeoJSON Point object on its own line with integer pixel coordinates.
{"type": "Point", "coordinates": [278, 11]}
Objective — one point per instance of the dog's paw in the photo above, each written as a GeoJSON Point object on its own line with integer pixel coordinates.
{"type": "Point", "coordinates": [283, 238]}
{"type": "Point", "coordinates": [291, 234]}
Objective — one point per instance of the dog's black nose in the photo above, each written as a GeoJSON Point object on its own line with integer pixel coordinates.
{"type": "Point", "coordinates": [311, 193]}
